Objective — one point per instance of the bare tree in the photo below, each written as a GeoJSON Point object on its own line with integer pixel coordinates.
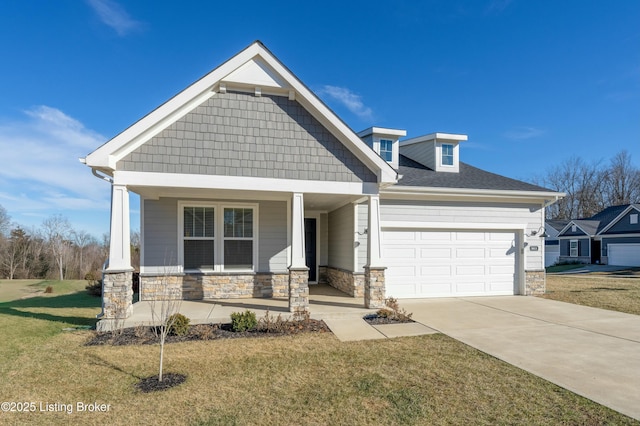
{"type": "Point", "coordinates": [57, 231]}
{"type": "Point", "coordinates": [582, 182]}
{"type": "Point", "coordinates": [5, 221]}
{"type": "Point", "coordinates": [81, 239]}
{"type": "Point", "coordinates": [622, 181]}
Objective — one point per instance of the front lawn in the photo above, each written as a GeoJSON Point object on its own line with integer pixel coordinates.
{"type": "Point", "coordinates": [302, 379]}
{"type": "Point", "coordinates": [606, 291]}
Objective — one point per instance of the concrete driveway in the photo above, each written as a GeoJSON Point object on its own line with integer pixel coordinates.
{"type": "Point", "coordinates": [592, 352]}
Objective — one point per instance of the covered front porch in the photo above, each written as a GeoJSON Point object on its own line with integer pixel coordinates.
{"type": "Point", "coordinates": [325, 302]}
{"type": "Point", "coordinates": [296, 239]}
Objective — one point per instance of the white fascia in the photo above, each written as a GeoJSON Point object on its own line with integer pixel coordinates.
{"type": "Point", "coordinates": [111, 152]}
{"type": "Point", "coordinates": [433, 137]}
{"type": "Point", "coordinates": [238, 183]}
{"type": "Point", "coordinates": [382, 131]}
{"type": "Point", "coordinates": [421, 191]}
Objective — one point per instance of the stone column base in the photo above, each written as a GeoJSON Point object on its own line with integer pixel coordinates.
{"type": "Point", "coordinates": [117, 294]}
{"type": "Point", "coordinates": [298, 290]}
{"type": "Point", "coordinates": [374, 287]}
{"type": "Point", "coordinates": [535, 283]}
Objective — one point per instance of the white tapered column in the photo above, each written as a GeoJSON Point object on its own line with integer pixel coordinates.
{"type": "Point", "coordinates": [120, 242]}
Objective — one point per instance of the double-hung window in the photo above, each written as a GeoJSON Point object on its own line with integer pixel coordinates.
{"type": "Point", "coordinates": [199, 237]}
{"type": "Point", "coordinates": [386, 149]}
{"type": "Point", "coordinates": [447, 154]}
{"type": "Point", "coordinates": [573, 248]}
{"type": "Point", "coordinates": [238, 238]}
{"type": "Point", "coordinates": [217, 237]}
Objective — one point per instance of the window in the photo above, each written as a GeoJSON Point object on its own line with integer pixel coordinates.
{"type": "Point", "coordinates": [573, 228]}
{"type": "Point", "coordinates": [386, 149]}
{"type": "Point", "coordinates": [198, 237]}
{"type": "Point", "coordinates": [633, 219]}
{"type": "Point", "coordinates": [214, 237]}
{"type": "Point", "coordinates": [573, 248]}
{"type": "Point", "coordinates": [447, 154]}
{"type": "Point", "coordinates": [238, 238]}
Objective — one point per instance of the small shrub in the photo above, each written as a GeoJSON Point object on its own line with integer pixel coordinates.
{"type": "Point", "coordinates": [94, 288]}
{"type": "Point", "coordinates": [243, 321]}
{"type": "Point", "coordinates": [178, 325]}
{"type": "Point", "coordinates": [269, 324]}
{"type": "Point", "coordinates": [204, 331]}
{"type": "Point", "coordinates": [49, 289]}
{"type": "Point", "coordinates": [394, 312]}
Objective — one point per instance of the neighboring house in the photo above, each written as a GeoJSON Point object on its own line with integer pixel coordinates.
{"type": "Point", "coordinates": [611, 237]}
{"type": "Point", "coordinates": [250, 186]}
{"type": "Point", "coordinates": [551, 242]}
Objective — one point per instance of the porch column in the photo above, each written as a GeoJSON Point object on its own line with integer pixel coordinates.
{"type": "Point", "coordinates": [117, 283]}
{"type": "Point", "coordinates": [298, 271]}
{"type": "Point", "coordinates": [374, 270]}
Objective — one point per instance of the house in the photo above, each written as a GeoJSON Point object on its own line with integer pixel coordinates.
{"type": "Point", "coordinates": [611, 237]}
{"type": "Point", "coordinates": [551, 242]}
{"type": "Point", "coordinates": [250, 186]}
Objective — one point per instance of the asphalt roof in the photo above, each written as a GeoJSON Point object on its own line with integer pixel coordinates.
{"type": "Point", "coordinates": [469, 177]}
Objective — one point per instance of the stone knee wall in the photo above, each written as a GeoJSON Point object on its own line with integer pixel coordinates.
{"type": "Point", "coordinates": [299, 290]}
{"type": "Point", "coordinates": [323, 276]}
{"type": "Point", "coordinates": [535, 283]}
{"type": "Point", "coordinates": [348, 282]}
{"type": "Point", "coordinates": [214, 286]}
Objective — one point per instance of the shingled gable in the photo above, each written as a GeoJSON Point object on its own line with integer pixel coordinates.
{"type": "Point", "coordinates": [253, 70]}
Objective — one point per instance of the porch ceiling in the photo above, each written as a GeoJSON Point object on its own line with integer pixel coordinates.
{"type": "Point", "coordinates": [312, 201]}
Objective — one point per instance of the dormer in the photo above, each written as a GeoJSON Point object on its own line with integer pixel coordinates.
{"type": "Point", "coordinates": [384, 142]}
{"type": "Point", "coordinates": [437, 151]}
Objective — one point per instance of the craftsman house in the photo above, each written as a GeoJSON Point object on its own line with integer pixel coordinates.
{"type": "Point", "coordinates": [250, 186]}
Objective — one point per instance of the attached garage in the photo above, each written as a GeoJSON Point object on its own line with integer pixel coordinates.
{"type": "Point", "coordinates": [443, 263]}
{"type": "Point", "coordinates": [624, 254]}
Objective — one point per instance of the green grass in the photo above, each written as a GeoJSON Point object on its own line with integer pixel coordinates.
{"type": "Point", "coordinates": [304, 379]}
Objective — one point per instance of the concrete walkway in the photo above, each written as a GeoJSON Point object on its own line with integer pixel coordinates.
{"type": "Point", "coordinates": [592, 352]}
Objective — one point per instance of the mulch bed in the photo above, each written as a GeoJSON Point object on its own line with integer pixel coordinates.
{"type": "Point", "coordinates": [169, 380]}
{"type": "Point", "coordinates": [375, 319]}
{"type": "Point", "coordinates": [146, 336]}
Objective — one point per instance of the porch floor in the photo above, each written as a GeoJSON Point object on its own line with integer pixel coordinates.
{"type": "Point", "coordinates": [325, 302]}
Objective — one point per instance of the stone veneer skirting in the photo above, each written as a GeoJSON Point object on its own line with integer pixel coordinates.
{"type": "Point", "coordinates": [535, 283]}
{"type": "Point", "coordinates": [214, 286]}
{"type": "Point", "coordinates": [348, 282]}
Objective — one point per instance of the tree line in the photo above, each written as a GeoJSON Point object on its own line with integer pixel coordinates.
{"type": "Point", "coordinates": [591, 186]}
{"type": "Point", "coordinates": [55, 250]}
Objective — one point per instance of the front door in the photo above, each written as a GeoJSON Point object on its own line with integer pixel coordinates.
{"type": "Point", "coordinates": [310, 247]}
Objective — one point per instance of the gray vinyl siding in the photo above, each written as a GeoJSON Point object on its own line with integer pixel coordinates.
{"type": "Point", "coordinates": [472, 212]}
{"type": "Point", "coordinates": [583, 247]}
{"type": "Point", "coordinates": [239, 134]}
{"type": "Point", "coordinates": [361, 237]}
{"type": "Point", "coordinates": [341, 238]}
{"type": "Point", "coordinates": [272, 231]}
{"type": "Point", "coordinates": [324, 239]}
{"type": "Point", "coordinates": [160, 230]}
{"type": "Point", "coordinates": [422, 152]}
{"type": "Point", "coordinates": [624, 226]}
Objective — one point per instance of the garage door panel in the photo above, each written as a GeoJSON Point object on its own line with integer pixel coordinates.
{"type": "Point", "coordinates": [449, 263]}
{"type": "Point", "coordinates": [623, 254]}
{"type": "Point", "coordinates": [470, 253]}
{"type": "Point", "coordinates": [435, 253]}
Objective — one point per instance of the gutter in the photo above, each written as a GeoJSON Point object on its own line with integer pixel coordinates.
{"type": "Point", "coordinates": [83, 160]}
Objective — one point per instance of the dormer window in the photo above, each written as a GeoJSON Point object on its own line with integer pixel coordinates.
{"type": "Point", "coordinates": [447, 154]}
{"type": "Point", "coordinates": [386, 149]}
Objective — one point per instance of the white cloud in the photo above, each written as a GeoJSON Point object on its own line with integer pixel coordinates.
{"type": "Point", "coordinates": [522, 133]}
{"type": "Point", "coordinates": [114, 15]}
{"type": "Point", "coordinates": [41, 171]}
{"type": "Point", "coordinates": [349, 99]}
{"type": "Point", "coordinates": [497, 6]}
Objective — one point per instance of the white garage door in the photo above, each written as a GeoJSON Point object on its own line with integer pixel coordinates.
{"type": "Point", "coordinates": [448, 263]}
{"type": "Point", "coordinates": [624, 254]}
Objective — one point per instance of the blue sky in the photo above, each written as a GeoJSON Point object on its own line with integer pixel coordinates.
{"type": "Point", "coordinates": [531, 82]}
